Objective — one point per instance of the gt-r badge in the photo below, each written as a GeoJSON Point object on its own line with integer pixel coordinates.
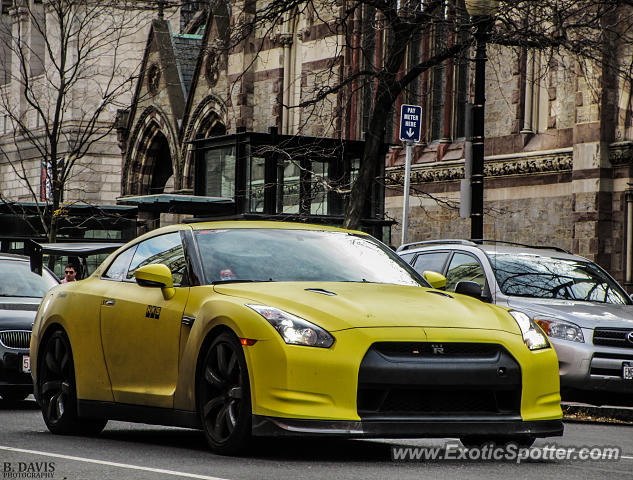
{"type": "Point", "coordinates": [152, 312]}
{"type": "Point", "coordinates": [438, 349]}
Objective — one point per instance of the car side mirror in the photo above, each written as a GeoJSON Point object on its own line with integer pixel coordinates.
{"type": "Point", "coordinates": [472, 289]}
{"type": "Point", "coordinates": [437, 280]}
{"type": "Point", "coordinates": [156, 275]}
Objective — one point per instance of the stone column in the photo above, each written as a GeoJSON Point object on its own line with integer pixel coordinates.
{"type": "Point", "coordinates": [592, 176]}
{"type": "Point", "coordinates": [20, 28]}
{"type": "Point", "coordinates": [240, 68]}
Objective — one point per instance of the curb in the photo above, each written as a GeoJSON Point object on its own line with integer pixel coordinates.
{"type": "Point", "coordinates": [575, 412]}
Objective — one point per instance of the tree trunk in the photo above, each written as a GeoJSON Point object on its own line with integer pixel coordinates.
{"type": "Point", "coordinates": [57, 194]}
{"type": "Point", "coordinates": [387, 91]}
{"type": "Point", "coordinates": [361, 190]}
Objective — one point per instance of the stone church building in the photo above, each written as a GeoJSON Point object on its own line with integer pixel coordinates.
{"type": "Point", "coordinates": [558, 134]}
{"type": "Point", "coordinates": [559, 137]}
{"type": "Point", "coordinates": [280, 156]}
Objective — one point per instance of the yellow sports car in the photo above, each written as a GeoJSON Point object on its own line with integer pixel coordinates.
{"type": "Point", "coordinates": [263, 328]}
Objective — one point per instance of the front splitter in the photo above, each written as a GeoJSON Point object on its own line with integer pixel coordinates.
{"type": "Point", "coordinates": [406, 427]}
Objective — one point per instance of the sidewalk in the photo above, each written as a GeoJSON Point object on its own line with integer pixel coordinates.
{"type": "Point", "coordinates": [582, 412]}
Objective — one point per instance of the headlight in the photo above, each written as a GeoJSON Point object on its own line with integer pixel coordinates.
{"type": "Point", "coordinates": [562, 329]}
{"type": "Point", "coordinates": [294, 330]}
{"type": "Point", "coordinates": [532, 334]}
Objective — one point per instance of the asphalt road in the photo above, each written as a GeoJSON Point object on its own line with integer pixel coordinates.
{"type": "Point", "coordinates": [133, 451]}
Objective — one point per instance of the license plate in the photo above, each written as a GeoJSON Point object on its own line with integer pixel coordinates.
{"type": "Point", "coordinates": [26, 364]}
{"type": "Point", "coordinates": [627, 371]}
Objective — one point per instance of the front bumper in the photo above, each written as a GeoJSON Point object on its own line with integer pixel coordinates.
{"type": "Point", "coordinates": [593, 369]}
{"type": "Point", "coordinates": [433, 427]}
{"type": "Point", "coordinates": [344, 383]}
{"type": "Point", "coordinates": [11, 375]}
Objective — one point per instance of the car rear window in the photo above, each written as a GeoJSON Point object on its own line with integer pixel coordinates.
{"type": "Point", "coordinates": [17, 280]}
{"type": "Point", "coordinates": [547, 277]}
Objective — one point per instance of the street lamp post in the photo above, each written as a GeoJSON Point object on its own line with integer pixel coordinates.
{"type": "Point", "coordinates": [482, 16]}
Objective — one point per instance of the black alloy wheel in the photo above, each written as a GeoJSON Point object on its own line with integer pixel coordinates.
{"type": "Point", "coordinates": [224, 397]}
{"type": "Point", "coordinates": [57, 393]}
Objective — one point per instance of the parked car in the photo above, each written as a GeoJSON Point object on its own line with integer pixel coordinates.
{"type": "Point", "coordinates": [585, 312]}
{"type": "Point", "coordinates": [269, 328]}
{"type": "Point", "coordinates": [20, 294]}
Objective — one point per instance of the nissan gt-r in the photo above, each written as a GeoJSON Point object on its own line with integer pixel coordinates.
{"type": "Point", "coordinates": [246, 329]}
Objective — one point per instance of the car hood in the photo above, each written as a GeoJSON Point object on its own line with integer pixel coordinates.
{"type": "Point", "coordinates": [583, 314]}
{"type": "Point", "coordinates": [18, 313]}
{"type": "Point", "coordinates": [354, 305]}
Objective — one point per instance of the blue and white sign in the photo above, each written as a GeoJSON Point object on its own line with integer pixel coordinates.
{"type": "Point", "coordinates": [410, 123]}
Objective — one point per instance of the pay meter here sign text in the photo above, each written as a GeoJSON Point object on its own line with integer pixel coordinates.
{"type": "Point", "coordinates": [410, 123]}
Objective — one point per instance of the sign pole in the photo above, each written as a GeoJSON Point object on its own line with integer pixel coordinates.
{"type": "Point", "coordinates": [410, 129]}
{"type": "Point", "coordinates": [405, 195]}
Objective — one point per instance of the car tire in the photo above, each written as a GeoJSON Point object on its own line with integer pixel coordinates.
{"type": "Point", "coordinates": [57, 391]}
{"type": "Point", "coordinates": [476, 441]}
{"type": "Point", "coordinates": [224, 396]}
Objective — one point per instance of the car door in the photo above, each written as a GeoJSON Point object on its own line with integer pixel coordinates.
{"type": "Point", "coordinates": [140, 329]}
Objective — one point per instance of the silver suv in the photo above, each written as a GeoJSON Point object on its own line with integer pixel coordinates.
{"type": "Point", "coordinates": [586, 314]}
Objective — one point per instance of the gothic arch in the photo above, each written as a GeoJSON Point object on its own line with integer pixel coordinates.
{"type": "Point", "coordinates": [153, 153]}
{"type": "Point", "coordinates": [206, 121]}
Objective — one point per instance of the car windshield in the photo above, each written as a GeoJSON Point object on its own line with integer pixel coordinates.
{"type": "Point", "coordinates": [538, 276]}
{"type": "Point", "coordinates": [261, 255]}
{"type": "Point", "coordinates": [17, 280]}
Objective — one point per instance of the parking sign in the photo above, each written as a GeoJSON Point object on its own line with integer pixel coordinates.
{"type": "Point", "coordinates": [410, 123]}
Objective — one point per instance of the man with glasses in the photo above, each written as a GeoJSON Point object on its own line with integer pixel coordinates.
{"type": "Point", "coordinates": [70, 274]}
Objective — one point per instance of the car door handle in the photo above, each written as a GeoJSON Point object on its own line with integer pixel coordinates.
{"type": "Point", "coordinates": [108, 302]}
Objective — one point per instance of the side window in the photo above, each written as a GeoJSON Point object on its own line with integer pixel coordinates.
{"type": "Point", "coordinates": [166, 249]}
{"type": "Point", "coordinates": [118, 268]}
{"type": "Point", "coordinates": [430, 261]}
{"type": "Point", "coordinates": [464, 268]}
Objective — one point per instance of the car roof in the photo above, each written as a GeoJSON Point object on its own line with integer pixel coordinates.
{"type": "Point", "coordinates": [80, 249]}
{"type": "Point", "coordinates": [541, 252]}
{"type": "Point", "coordinates": [495, 248]}
{"type": "Point", "coordinates": [234, 225]}
{"type": "Point", "coordinates": [239, 224]}
{"type": "Point", "coordinates": [13, 256]}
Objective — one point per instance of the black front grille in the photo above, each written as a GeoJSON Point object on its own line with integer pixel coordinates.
{"type": "Point", "coordinates": [414, 378]}
{"type": "Point", "coordinates": [16, 338]}
{"type": "Point", "coordinates": [436, 349]}
{"type": "Point", "coordinates": [19, 306]}
{"type": "Point", "coordinates": [608, 372]}
{"type": "Point", "coordinates": [429, 401]}
{"type": "Point", "coordinates": [613, 337]}
{"type": "Point", "coordinates": [610, 364]}
{"type": "Point", "coordinates": [615, 356]}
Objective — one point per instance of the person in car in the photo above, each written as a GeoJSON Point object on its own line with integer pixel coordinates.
{"type": "Point", "coordinates": [70, 274]}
